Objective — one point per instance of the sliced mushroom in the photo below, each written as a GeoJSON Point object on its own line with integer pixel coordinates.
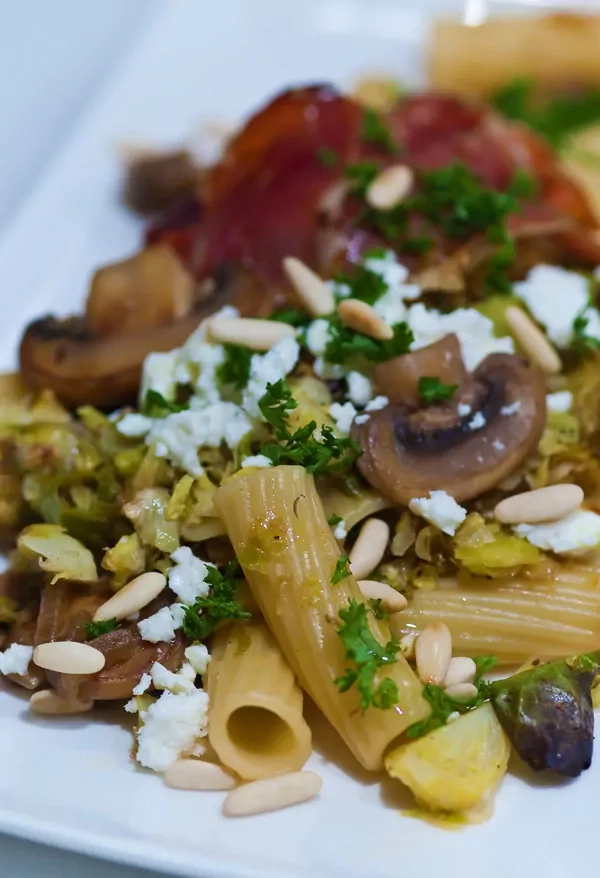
{"type": "Point", "coordinates": [398, 379]}
{"type": "Point", "coordinates": [408, 452]}
{"type": "Point", "coordinates": [87, 369]}
{"type": "Point", "coordinates": [155, 181]}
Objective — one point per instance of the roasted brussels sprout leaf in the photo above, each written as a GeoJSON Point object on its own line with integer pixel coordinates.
{"type": "Point", "coordinates": [548, 715]}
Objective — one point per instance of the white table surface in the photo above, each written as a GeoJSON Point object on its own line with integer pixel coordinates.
{"type": "Point", "coordinates": [53, 57]}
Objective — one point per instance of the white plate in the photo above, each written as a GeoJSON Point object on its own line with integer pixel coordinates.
{"type": "Point", "coordinates": [70, 782]}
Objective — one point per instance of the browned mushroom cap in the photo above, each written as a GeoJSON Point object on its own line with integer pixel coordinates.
{"type": "Point", "coordinates": [398, 379]}
{"type": "Point", "coordinates": [157, 180]}
{"type": "Point", "coordinates": [148, 290]}
{"type": "Point", "coordinates": [408, 452]}
{"type": "Point", "coordinates": [85, 369]}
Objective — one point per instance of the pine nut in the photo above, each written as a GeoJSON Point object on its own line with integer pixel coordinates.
{"type": "Point", "coordinates": [194, 774]}
{"type": "Point", "coordinates": [272, 794]}
{"type": "Point", "coordinates": [390, 187]}
{"type": "Point", "coordinates": [132, 597]}
{"type": "Point", "coordinates": [460, 670]}
{"type": "Point", "coordinates": [462, 692]}
{"type": "Point", "coordinates": [369, 548]}
{"type": "Point", "coordinates": [533, 341]}
{"type": "Point", "coordinates": [248, 332]}
{"type": "Point", "coordinates": [362, 318]}
{"type": "Point", "coordinates": [47, 702]}
{"type": "Point", "coordinates": [543, 504]}
{"type": "Point", "coordinates": [391, 599]}
{"type": "Point", "coordinates": [407, 644]}
{"type": "Point", "coordinates": [313, 292]}
{"type": "Point", "coordinates": [69, 657]}
{"type": "Point", "coordinates": [433, 651]}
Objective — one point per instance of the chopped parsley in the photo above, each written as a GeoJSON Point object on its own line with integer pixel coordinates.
{"type": "Point", "coordinates": [291, 316]}
{"type": "Point", "coordinates": [345, 344]}
{"type": "Point", "coordinates": [235, 368]}
{"type": "Point", "coordinates": [334, 519]}
{"type": "Point", "coordinates": [364, 284]}
{"type": "Point", "coordinates": [327, 454]}
{"type": "Point", "coordinates": [376, 132]}
{"type": "Point", "coordinates": [433, 390]}
{"type": "Point", "coordinates": [368, 656]}
{"type": "Point", "coordinates": [220, 604]}
{"type": "Point", "coordinates": [442, 705]}
{"type": "Point", "coordinates": [156, 406]}
{"type": "Point", "coordinates": [97, 629]}
{"type": "Point", "coordinates": [378, 609]}
{"type": "Point", "coordinates": [327, 157]}
{"type": "Point", "coordinates": [582, 342]}
{"type": "Point", "coordinates": [361, 175]}
{"type": "Point", "coordinates": [342, 570]}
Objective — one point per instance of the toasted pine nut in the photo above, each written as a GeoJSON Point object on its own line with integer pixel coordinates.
{"type": "Point", "coordinates": [407, 644]}
{"type": "Point", "coordinates": [543, 504]}
{"type": "Point", "coordinates": [312, 291]}
{"type": "Point", "coordinates": [369, 548]}
{"type": "Point", "coordinates": [132, 597]}
{"type": "Point", "coordinates": [194, 774]}
{"type": "Point", "coordinates": [272, 794]}
{"type": "Point", "coordinates": [390, 599]}
{"type": "Point", "coordinates": [533, 341]}
{"type": "Point", "coordinates": [248, 332]}
{"type": "Point", "coordinates": [462, 691]}
{"type": "Point", "coordinates": [362, 318]}
{"type": "Point", "coordinates": [433, 651]}
{"type": "Point", "coordinates": [390, 187]}
{"type": "Point", "coordinates": [47, 702]}
{"type": "Point", "coordinates": [69, 657]}
{"type": "Point", "coordinates": [460, 670]}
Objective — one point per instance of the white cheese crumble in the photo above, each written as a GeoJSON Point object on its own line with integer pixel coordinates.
{"type": "Point", "coordinates": [555, 297]}
{"type": "Point", "coordinates": [328, 371]}
{"type": "Point", "coordinates": [511, 409]}
{"type": "Point", "coordinates": [574, 534]}
{"type": "Point", "coordinates": [143, 685]}
{"type": "Point", "coordinates": [392, 305]}
{"type": "Point", "coordinates": [177, 612]}
{"type": "Point", "coordinates": [134, 425]}
{"type": "Point", "coordinates": [198, 657]}
{"type": "Point", "coordinates": [475, 332]}
{"type": "Point", "coordinates": [441, 510]}
{"type": "Point", "coordinates": [498, 445]}
{"type": "Point", "coordinates": [343, 414]}
{"type": "Point", "coordinates": [561, 401]}
{"type": "Point", "coordinates": [170, 727]}
{"type": "Point", "coordinates": [477, 421]}
{"type": "Point", "coordinates": [15, 659]}
{"type": "Point", "coordinates": [360, 390]}
{"type": "Point", "coordinates": [260, 460]}
{"type": "Point", "coordinates": [376, 404]}
{"type": "Point", "coordinates": [187, 578]}
{"type": "Point", "coordinates": [159, 374]}
{"type": "Point", "coordinates": [317, 336]}
{"type": "Point", "coordinates": [464, 409]}
{"type": "Point", "coordinates": [159, 627]}
{"type": "Point", "coordinates": [362, 419]}
{"type": "Point", "coordinates": [268, 369]}
{"type": "Point", "coordinates": [181, 683]}
{"type": "Point", "coordinates": [340, 532]}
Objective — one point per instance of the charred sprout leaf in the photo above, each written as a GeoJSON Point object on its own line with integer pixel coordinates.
{"type": "Point", "coordinates": [433, 390]}
{"type": "Point", "coordinates": [156, 406]}
{"type": "Point", "coordinates": [342, 570]}
{"type": "Point", "coordinates": [219, 605]}
{"type": "Point", "coordinates": [547, 713]}
{"type": "Point", "coordinates": [235, 368]}
{"type": "Point", "coordinates": [367, 656]}
{"type": "Point", "coordinates": [58, 552]}
{"type": "Point", "coordinates": [442, 706]}
{"type": "Point", "coordinates": [96, 629]}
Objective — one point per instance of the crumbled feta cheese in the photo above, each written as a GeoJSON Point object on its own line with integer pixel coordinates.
{"type": "Point", "coordinates": [362, 419]}
{"type": "Point", "coordinates": [343, 414]}
{"type": "Point", "coordinates": [477, 421]}
{"type": "Point", "coordinates": [177, 612]}
{"type": "Point", "coordinates": [260, 460]}
{"type": "Point", "coordinates": [498, 445]}
{"type": "Point", "coordinates": [199, 359]}
{"type": "Point", "coordinates": [134, 425]}
{"type": "Point", "coordinates": [376, 404]}
{"type": "Point", "coordinates": [328, 371]}
{"type": "Point", "coordinates": [158, 627]}
{"type": "Point", "coordinates": [143, 685]}
{"type": "Point", "coordinates": [511, 409]}
{"type": "Point", "coordinates": [131, 706]}
{"type": "Point", "coordinates": [340, 290]}
{"type": "Point", "coordinates": [171, 726]}
{"type": "Point", "coordinates": [463, 409]}
{"type": "Point", "coordinates": [15, 659]}
{"type": "Point", "coordinates": [574, 534]}
{"type": "Point", "coordinates": [561, 401]}
{"type": "Point", "coordinates": [317, 336]}
{"type": "Point", "coordinates": [441, 510]}
{"type": "Point", "coordinates": [198, 657]}
{"type": "Point", "coordinates": [187, 578]}
{"type": "Point", "coordinates": [360, 390]}
{"type": "Point", "coordinates": [180, 683]}
{"type": "Point", "coordinates": [392, 304]}
{"type": "Point", "coordinates": [475, 332]}
{"type": "Point", "coordinates": [180, 435]}
{"type": "Point", "coordinates": [267, 369]}
{"type": "Point", "coordinates": [340, 532]}
{"type": "Point", "coordinates": [159, 374]}
{"type": "Point", "coordinates": [555, 297]}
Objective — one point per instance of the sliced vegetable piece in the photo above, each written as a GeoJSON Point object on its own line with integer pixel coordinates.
{"type": "Point", "coordinates": [58, 552]}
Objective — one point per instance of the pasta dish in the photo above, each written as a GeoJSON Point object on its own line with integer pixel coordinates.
{"type": "Point", "coordinates": [333, 432]}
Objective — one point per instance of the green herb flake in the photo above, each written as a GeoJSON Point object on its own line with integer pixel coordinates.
{"type": "Point", "coordinates": [361, 175]}
{"type": "Point", "coordinates": [97, 629]}
{"type": "Point", "coordinates": [376, 132]}
{"type": "Point", "coordinates": [276, 403]}
{"type": "Point", "coordinates": [345, 344]}
{"type": "Point", "coordinates": [433, 390]}
{"type": "Point", "coordinates": [342, 570]}
{"type": "Point", "coordinates": [219, 605]}
{"type": "Point", "coordinates": [364, 284]}
{"type": "Point", "coordinates": [327, 157]}
{"type": "Point", "coordinates": [156, 406]}
{"type": "Point", "coordinates": [378, 609]}
{"type": "Point", "coordinates": [582, 342]}
{"type": "Point", "coordinates": [368, 656]}
{"type": "Point", "coordinates": [235, 368]}
{"type": "Point", "coordinates": [291, 316]}
{"type": "Point", "coordinates": [334, 519]}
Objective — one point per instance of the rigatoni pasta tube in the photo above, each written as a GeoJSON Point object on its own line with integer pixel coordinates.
{"type": "Point", "coordinates": [255, 720]}
{"type": "Point", "coordinates": [511, 622]}
{"type": "Point", "coordinates": [276, 523]}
